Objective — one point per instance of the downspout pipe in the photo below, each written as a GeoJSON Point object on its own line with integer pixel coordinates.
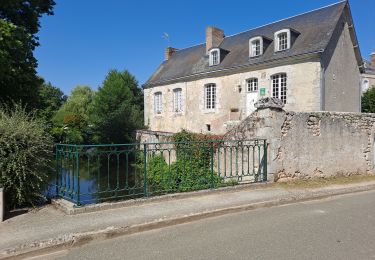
{"type": "Point", "coordinates": [322, 87]}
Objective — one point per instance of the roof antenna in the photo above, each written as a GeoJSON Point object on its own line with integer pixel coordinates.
{"type": "Point", "coordinates": [167, 38]}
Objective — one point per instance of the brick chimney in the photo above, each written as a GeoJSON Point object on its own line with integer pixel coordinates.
{"type": "Point", "coordinates": [372, 60]}
{"type": "Point", "coordinates": [169, 51]}
{"type": "Point", "coordinates": [214, 36]}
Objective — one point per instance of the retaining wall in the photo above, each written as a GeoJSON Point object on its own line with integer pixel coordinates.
{"type": "Point", "coordinates": [312, 144]}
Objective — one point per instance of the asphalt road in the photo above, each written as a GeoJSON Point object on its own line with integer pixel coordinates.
{"type": "Point", "coordinates": [337, 228]}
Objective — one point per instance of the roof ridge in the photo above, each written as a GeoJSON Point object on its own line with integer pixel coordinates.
{"type": "Point", "coordinates": [293, 16]}
{"type": "Point", "coordinates": [290, 17]}
{"type": "Point", "coordinates": [192, 46]}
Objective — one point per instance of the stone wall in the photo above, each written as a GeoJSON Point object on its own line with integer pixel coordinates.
{"type": "Point", "coordinates": [146, 136]}
{"type": "Point", "coordinates": [312, 144]}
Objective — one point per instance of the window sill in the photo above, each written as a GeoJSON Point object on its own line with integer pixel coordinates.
{"type": "Point", "coordinates": [255, 57]}
{"type": "Point", "coordinates": [209, 111]}
{"type": "Point", "coordinates": [178, 113]}
{"type": "Point", "coordinates": [282, 50]}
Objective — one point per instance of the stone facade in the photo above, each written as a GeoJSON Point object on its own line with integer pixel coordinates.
{"type": "Point", "coordinates": [303, 95]}
{"type": "Point", "coordinates": [312, 144]}
{"type": "Point", "coordinates": [341, 86]}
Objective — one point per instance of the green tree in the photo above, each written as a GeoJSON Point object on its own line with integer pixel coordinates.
{"type": "Point", "coordinates": [117, 108]}
{"type": "Point", "coordinates": [72, 119]}
{"type": "Point", "coordinates": [50, 100]}
{"type": "Point", "coordinates": [368, 100]}
{"type": "Point", "coordinates": [19, 24]}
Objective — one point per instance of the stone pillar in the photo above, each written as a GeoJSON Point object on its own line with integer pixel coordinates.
{"type": "Point", "coordinates": [271, 117]}
{"type": "Point", "coordinates": [265, 122]}
{"type": "Point", "coordinates": [2, 205]}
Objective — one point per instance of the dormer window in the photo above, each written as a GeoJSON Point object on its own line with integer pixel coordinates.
{"type": "Point", "coordinates": [214, 57]}
{"type": "Point", "coordinates": [282, 40]}
{"type": "Point", "coordinates": [255, 46]}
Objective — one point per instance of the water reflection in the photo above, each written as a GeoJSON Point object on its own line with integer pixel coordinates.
{"type": "Point", "coordinates": [102, 177]}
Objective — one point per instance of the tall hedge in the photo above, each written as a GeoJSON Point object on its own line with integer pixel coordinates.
{"type": "Point", "coordinates": [25, 155]}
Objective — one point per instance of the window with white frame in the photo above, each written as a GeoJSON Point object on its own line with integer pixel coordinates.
{"type": "Point", "coordinates": [255, 46]}
{"type": "Point", "coordinates": [214, 57]}
{"type": "Point", "coordinates": [279, 86]}
{"type": "Point", "coordinates": [252, 85]}
{"type": "Point", "coordinates": [210, 96]}
{"type": "Point", "coordinates": [158, 102]}
{"type": "Point", "coordinates": [177, 100]}
{"type": "Point", "coordinates": [282, 40]}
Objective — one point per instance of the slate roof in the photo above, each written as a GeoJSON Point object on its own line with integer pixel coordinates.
{"type": "Point", "coordinates": [315, 28]}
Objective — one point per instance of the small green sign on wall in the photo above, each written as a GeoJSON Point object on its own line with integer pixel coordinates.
{"type": "Point", "coordinates": [262, 91]}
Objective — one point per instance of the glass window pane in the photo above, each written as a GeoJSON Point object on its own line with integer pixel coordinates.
{"type": "Point", "coordinates": [210, 96]}
{"type": "Point", "coordinates": [177, 100]}
{"type": "Point", "coordinates": [158, 102]}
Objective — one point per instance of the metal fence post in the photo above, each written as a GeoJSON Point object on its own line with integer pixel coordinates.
{"type": "Point", "coordinates": [78, 178]}
{"type": "Point", "coordinates": [212, 164]}
{"type": "Point", "coordinates": [57, 170]}
{"type": "Point", "coordinates": [2, 206]}
{"type": "Point", "coordinates": [145, 191]}
{"type": "Point", "coordinates": [265, 161]}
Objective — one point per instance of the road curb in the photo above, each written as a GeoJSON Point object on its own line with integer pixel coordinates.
{"type": "Point", "coordinates": [69, 208]}
{"type": "Point", "coordinates": [79, 239]}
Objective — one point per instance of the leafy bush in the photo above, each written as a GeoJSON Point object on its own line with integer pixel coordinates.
{"type": "Point", "coordinates": [368, 100]}
{"type": "Point", "coordinates": [186, 136]}
{"type": "Point", "coordinates": [25, 155]}
{"type": "Point", "coordinates": [181, 175]}
{"type": "Point", "coordinates": [158, 175]}
{"type": "Point", "coordinates": [73, 136]}
{"type": "Point", "coordinates": [194, 145]}
{"type": "Point", "coordinates": [190, 171]}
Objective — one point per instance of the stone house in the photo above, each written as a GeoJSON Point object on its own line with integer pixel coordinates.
{"type": "Point", "coordinates": [310, 61]}
{"type": "Point", "coordinates": [368, 75]}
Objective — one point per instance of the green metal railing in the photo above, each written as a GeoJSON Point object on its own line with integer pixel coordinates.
{"type": "Point", "coordinates": [96, 173]}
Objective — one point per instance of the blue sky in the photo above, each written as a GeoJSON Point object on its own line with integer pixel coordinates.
{"type": "Point", "coordinates": [87, 38]}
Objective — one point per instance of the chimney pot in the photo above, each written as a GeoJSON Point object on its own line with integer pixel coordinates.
{"type": "Point", "coordinates": [169, 51]}
{"type": "Point", "coordinates": [214, 36]}
{"type": "Point", "coordinates": [372, 60]}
